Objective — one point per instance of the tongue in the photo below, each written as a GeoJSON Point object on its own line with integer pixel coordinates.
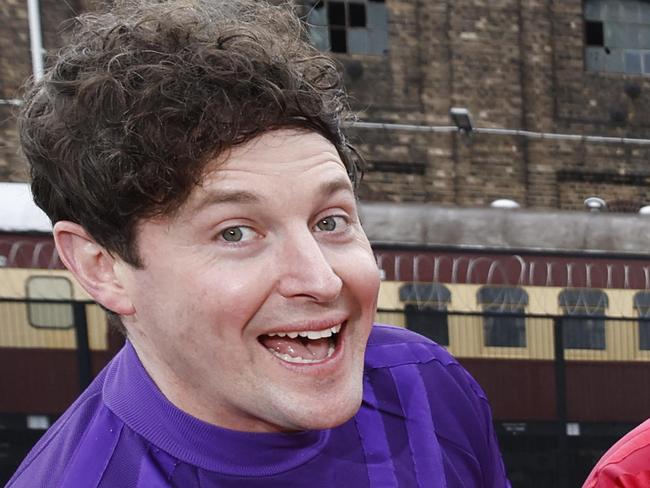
{"type": "Point", "coordinates": [298, 347]}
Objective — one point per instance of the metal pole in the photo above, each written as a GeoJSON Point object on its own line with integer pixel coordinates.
{"type": "Point", "coordinates": [560, 405]}
{"type": "Point", "coordinates": [35, 39]}
{"type": "Point", "coordinates": [83, 346]}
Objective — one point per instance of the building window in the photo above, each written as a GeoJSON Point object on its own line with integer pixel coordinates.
{"type": "Point", "coordinates": [617, 36]}
{"type": "Point", "coordinates": [642, 306]}
{"type": "Point", "coordinates": [584, 328]}
{"type": "Point", "coordinates": [426, 310]}
{"type": "Point", "coordinates": [348, 26]}
{"type": "Point", "coordinates": [50, 315]}
{"type": "Point", "coordinates": [505, 324]}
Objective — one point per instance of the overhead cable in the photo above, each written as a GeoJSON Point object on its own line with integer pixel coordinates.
{"type": "Point", "coordinates": [500, 132]}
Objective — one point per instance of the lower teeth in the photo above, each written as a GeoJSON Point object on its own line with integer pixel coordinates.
{"type": "Point", "coordinates": [298, 359]}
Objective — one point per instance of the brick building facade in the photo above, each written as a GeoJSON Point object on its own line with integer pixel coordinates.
{"type": "Point", "coordinates": [16, 67]}
{"type": "Point", "coordinates": [512, 63]}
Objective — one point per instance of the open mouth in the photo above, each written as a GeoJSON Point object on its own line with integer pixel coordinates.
{"type": "Point", "coordinates": [303, 347]}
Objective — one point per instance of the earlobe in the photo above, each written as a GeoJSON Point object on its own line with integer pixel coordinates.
{"type": "Point", "coordinates": [93, 266]}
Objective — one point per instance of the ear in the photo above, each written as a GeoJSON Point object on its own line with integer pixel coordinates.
{"type": "Point", "coordinates": [93, 266]}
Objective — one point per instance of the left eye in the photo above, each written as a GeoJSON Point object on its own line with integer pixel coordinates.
{"type": "Point", "coordinates": [330, 223]}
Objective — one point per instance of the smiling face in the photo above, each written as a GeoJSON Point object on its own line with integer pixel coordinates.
{"type": "Point", "coordinates": [255, 301]}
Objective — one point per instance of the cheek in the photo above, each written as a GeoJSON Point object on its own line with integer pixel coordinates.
{"type": "Point", "coordinates": [361, 276]}
{"type": "Point", "coordinates": [229, 298]}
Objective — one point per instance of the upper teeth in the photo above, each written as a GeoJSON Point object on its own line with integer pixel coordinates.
{"type": "Point", "coordinates": [309, 334]}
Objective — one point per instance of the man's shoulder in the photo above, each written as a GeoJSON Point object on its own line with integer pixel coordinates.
{"type": "Point", "coordinates": [51, 460]}
{"type": "Point", "coordinates": [410, 377]}
{"type": "Point", "coordinates": [390, 346]}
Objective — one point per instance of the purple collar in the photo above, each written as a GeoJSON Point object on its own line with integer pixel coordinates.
{"type": "Point", "coordinates": [130, 393]}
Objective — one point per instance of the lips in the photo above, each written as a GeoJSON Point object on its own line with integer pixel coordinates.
{"type": "Point", "coordinates": [302, 346]}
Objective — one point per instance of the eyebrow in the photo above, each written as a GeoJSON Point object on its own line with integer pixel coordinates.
{"type": "Point", "coordinates": [216, 197]}
{"type": "Point", "coordinates": [334, 186]}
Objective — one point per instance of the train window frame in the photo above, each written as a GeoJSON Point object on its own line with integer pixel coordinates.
{"type": "Point", "coordinates": [586, 307]}
{"type": "Point", "coordinates": [505, 304]}
{"type": "Point", "coordinates": [33, 308]}
{"type": "Point", "coordinates": [426, 303]}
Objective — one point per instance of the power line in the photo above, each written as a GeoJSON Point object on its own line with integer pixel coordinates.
{"type": "Point", "coordinates": [500, 132]}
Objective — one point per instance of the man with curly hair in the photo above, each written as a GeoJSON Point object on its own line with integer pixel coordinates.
{"type": "Point", "coordinates": [190, 154]}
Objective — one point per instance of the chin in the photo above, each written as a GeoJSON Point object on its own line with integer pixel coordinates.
{"type": "Point", "coordinates": [330, 414]}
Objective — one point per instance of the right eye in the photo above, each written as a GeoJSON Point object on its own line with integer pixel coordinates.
{"type": "Point", "coordinates": [237, 233]}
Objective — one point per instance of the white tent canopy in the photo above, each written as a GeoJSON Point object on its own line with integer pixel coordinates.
{"type": "Point", "coordinates": [18, 212]}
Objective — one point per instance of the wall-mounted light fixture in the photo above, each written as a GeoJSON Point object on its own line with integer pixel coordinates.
{"type": "Point", "coordinates": [595, 204]}
{"type": "Point", "coordinates": [461, 118]}
{"type": "Point", "coordinates": [505, 203]}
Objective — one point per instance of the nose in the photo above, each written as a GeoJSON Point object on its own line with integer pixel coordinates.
{"type": "Point", "coordinates": [306, 270]}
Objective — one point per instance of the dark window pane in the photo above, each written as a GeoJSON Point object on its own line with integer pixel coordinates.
{"type": "Point", "coordinates": [429, 322]}
{"type": "Point", "coordinates": [336, 13]}
{"type": "Point", "coordinates": [338, 41]}
{"type": "Point", "coordinates": [632, 62]}
{"type": "Point", "coordinates": [424, 292]}
{"type": "Point", "coordinates": [504, 296]}
{"type": "Point", "coordinates": [357, 14]}
{"type": "Point", "coordinates": [594, 35]}
{"type": "Point", "coordinates": [583, 300]}
{"type": "Point", "coordinates": [642, 306]}
{"type": "Point", "coordinates": [504, 331]}
{"type": "Point", "coordinates": [644, 334]}
{"type": "Point", "coordinates": [584, 333]}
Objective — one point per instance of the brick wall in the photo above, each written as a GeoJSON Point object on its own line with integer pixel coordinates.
{"type": "Point", "coordinates": [15, 64]}
{"type": "Point", "coordinates": [16, 67]}
{"type": "Point", "coordinates": [513, 63]}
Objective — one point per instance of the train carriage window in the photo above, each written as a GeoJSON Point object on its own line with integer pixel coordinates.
{"type": "Point", "coordinates": [584, 327]}
{"type": "Point", "coordinates": [426, 310]}
{"type": "Point", "coordinates": [505, 326]}
{"type": "Point", "coordinates": [50, 315]}
{"type": "Point", "coordinates": [642, 305]}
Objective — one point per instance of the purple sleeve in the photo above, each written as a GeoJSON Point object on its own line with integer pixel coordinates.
{"type": "Point", "coordinates": [463, 419]}
{"type": "Point", "coordinates": [460, 412]}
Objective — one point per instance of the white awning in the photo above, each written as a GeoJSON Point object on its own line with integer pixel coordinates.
{"type": "Point", "coordinates": [18, 212]}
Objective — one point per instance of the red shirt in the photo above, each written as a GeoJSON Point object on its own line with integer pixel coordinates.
{"type": "Point", "coordinates": [626, 464]}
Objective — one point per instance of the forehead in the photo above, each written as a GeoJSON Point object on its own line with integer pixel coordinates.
{"type": "Point", "coordinates": [297, 150]}
{"type": "Point", "coordinates": [272, 159]}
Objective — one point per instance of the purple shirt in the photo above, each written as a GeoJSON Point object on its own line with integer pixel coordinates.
{"type": "Point", "coordinates": [424, 422]}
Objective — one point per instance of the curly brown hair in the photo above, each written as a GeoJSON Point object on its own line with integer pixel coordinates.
{"type": "Point", "coordinates": [125, 120]}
